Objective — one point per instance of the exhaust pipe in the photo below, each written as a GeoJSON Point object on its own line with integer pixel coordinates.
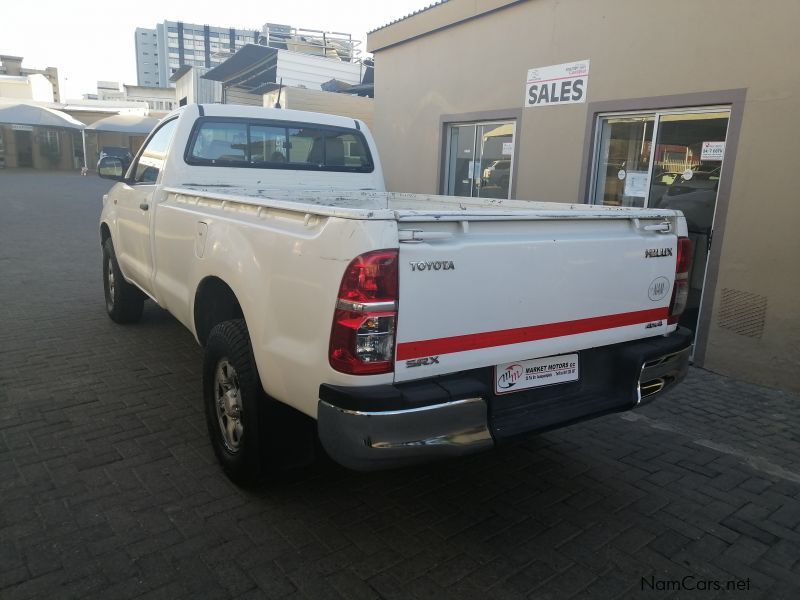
{"type": "Point", "coordinates": [660, 374]}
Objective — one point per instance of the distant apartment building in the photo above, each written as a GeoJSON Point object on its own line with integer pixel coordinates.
{"type": "Point", "coordinates": [146, 42]}
{"type": "Point", "coordinates": [162, 51]}
{"type": "Point", "coordinates": [12, 66]}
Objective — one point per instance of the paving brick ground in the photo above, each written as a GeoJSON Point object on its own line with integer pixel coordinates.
{"type": "Point", "coordinates": [109, 489]}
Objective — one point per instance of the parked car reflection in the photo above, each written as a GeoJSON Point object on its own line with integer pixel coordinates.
{"type": "Point", "coordinates": [695, 196]}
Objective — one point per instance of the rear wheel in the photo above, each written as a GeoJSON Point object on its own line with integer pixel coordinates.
{"type": "Point", "coordinates": [235, 403]}
{"type": "Point", "coordinates": [124, 302]}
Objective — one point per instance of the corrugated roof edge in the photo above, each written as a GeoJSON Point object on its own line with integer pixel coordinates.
{"type": "Point", "coordinates": [408, 16]}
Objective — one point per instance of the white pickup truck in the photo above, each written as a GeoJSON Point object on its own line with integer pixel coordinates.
{"type": "Point", "coordinates": [409, 327]}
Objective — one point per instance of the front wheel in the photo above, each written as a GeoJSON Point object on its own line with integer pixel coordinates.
{"type": "Point", "coordinates": [124, 301]}
{"type": "Point", "coordinates": [235, 403]}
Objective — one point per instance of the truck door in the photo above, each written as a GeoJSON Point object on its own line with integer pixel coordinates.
{"type": "Point", "coordinates": [135, 203]}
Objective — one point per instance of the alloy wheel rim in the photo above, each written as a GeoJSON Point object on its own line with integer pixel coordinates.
{"type": "Point", "coordinates": [111, 282]}
{"type": "Point", "coordinates": [228, 405]}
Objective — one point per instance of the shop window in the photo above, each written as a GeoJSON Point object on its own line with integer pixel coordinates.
{"type": "Point", "coordinates": [479, 159]}
{"type": "Point", "coordinates": [51, 139]}
{"type": "Point", "coordinates": [665, 159]}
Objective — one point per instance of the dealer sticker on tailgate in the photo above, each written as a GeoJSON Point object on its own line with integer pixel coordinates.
{"type": "Point", "coordinates": [536, 372]}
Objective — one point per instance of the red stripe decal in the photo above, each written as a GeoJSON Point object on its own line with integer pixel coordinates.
{"type": "Point", "coordinates": [490, 339]}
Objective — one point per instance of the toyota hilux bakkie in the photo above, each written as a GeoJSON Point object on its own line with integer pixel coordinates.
{"type": "Point", "coordinates": [402, 327]}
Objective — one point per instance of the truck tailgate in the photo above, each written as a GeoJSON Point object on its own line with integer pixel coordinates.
{"type": "Point", "coordinates": [483, 292]}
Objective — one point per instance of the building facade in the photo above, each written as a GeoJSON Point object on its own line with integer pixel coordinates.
{"type": "Point", "coordinates": [171, 45]}
{"type": "Point", "coordinates": [192, 88]}
{"type": "Point", "coordinates": [332, 103]}
{"type": "Point", "coordinates": [38, 137]}
{"type": "Point", "coordinates": [161, 51]}
{"type": "Point", "coordinates": [159, 100]}
{"type": "Point", "coordinates": [34, 87]}
{"type": "Point", "coordinates": [147, 67]}
{"type": "Point", "coordinates": [620, 103]}
{"type": "Point", "coordinates": [33, 147]}
{"type": "Point", "coordinates": [12, 65]}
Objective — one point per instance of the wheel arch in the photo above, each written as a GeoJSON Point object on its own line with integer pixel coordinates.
{"type": "Point", "coordinates": [214, 302]}
{"type": "Point", "coordinates": [105, 232]}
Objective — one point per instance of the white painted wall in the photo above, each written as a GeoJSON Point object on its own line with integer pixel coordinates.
{"type": "Point", "coordinates": [26, 87]}
{"type": "Point", "coordinates": [311, 71]}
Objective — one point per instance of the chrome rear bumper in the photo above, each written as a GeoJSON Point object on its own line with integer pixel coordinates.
{"type": "Point", "coordinates": [377, 440]}
{"type": "Point", "coordinates": [385, 426]}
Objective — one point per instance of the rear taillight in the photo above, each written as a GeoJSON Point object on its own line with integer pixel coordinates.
{"type": "Point", "coordinates": [364, 322]}
{"type": "Point", "coordinates": [680, 291]}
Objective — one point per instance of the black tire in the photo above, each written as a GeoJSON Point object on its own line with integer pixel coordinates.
{"type": "Point", "coordinates": [240, 409]}
{"type": "Point", "coordinates": [124, 301]}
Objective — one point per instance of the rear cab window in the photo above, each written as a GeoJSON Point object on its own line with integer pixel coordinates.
{"type": "Point", "coordinates": [256, 143]}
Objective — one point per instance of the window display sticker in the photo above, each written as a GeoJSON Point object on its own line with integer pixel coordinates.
{"type": "Point", "coordinates": [508, 148]}
{"type": "Point", "coordinates": [636, 184]}
{"type": "Point", "coordinates": [712, 151]}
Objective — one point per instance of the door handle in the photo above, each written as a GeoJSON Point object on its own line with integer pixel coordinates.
{"type": "Point", "coordinates": [144, 205]}
{"type": "Point", "coordinates": [662, 227]}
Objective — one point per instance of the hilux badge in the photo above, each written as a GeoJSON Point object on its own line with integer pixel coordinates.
{"type": "Point", "coordinates": [657, 252]}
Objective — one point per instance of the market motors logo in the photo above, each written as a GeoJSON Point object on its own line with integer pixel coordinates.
{"type": "Point", "coordinates": [510, 376]}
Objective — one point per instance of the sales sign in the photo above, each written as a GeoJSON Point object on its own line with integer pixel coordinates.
{"type": "Point", "coordinates": [712, 151]}
{"type": "Point", "coordinates": [557, 84]}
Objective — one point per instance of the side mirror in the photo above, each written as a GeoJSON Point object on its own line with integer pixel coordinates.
{"type": "Point", "coordinates": [111, 167]}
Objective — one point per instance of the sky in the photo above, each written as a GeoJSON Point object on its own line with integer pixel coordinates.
{"type": "Point", "coordinates": [93, 40]}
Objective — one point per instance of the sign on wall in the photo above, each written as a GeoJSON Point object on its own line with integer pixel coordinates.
{"type": "Point", "coordinates": [557, 84]}
{"type": "Point", "coordinates": [712, 151]}
{"type": "Point", "coordinates": [22, 127]}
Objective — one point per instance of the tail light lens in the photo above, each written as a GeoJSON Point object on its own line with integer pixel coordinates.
{"type": "Point", "coordinates": [680, 291]}
{"type": "Point", "coordinates": [364, 322]}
